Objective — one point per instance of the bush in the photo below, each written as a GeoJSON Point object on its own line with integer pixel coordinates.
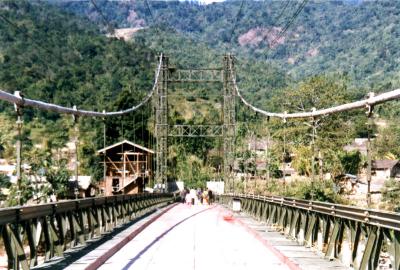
{"type": "Point", "coordinates": [391, 195]}
{"type": "Point", "coordinates": [324, 191]}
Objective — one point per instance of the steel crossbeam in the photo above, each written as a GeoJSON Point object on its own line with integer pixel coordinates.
{"type": "Point", "coordinates": [195, 131]}
{"type": "Point", "coordinates": [195, 75]}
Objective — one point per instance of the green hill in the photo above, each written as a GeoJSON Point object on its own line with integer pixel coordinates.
{"type": "Point", "coordinates": [58, 57]}
{"type": "Point", "coordinates": [357, 38]}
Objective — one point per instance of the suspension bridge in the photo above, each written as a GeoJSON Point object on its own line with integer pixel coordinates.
{"type": "Point", "coordinates": [240, 231]}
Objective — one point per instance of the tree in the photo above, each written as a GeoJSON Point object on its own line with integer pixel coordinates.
{"type": "Point", "coordinates": [386, 144]}
{"type": "Point", "coordinates": [4, 181]}
{"type": "Point", "coordinates": [350, 161]}
{"type": "Point", "coordinates": [55, 171]}
{"type": "Point", "coordinates": [391, 194]}
{"type": "Point", "coordinates": [331, 132]}
{"type": "Point", "coordinates": [20, 194]}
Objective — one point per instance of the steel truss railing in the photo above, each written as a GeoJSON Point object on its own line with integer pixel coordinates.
{"type": "Point", "coordinates": [359, 237]}
{"type": "Point", "coordinates": [50, 229]}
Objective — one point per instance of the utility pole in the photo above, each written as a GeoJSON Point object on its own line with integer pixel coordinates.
{"type": "Point", "coordinates": [105, 151]}
{"type": "Point", "coordinates": [321, 165]}
{"type": "Point", "coordinates": [314, 130]}
{"type": "Point", "coordinates": [19, 123]}
{"type": "Point", "coordinates": [370, 109]}
{"type": "Point", "coordinates": [267, 155]}
{"type": "Point", "coordinates": [284, 152]}
{"type": "Point", "coordinates": [255, 160]}
{"type": "Point", "coordinates": [76, 140]}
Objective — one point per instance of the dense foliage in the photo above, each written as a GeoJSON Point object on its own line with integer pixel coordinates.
{"type": "Point", "coordinates": [56, 57]}
{"type": "Point", "coordinates": [333, 53]}
{"type": "Point", "coordinates": [357, 38]}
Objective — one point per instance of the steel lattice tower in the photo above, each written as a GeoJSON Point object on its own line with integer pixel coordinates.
{"type": "Point", "coordinates": [229, 127]}
{"type": "Point", "coordinates": [226, 130]}
{"type": "Point", "coordinates": [161, 128]}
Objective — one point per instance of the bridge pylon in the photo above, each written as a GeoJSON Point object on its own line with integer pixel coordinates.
{"type": "Point", "coordinates": [229, 122]}
{"type": "Point", "coordinates": [161, 128]}
{"type": "Point", "coordinates": [227, 130]}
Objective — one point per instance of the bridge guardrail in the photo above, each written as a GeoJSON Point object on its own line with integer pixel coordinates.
{"type": "Point", "coordinates": [49, 229]}
{"type": "Point", "coordinates": [360, 238]}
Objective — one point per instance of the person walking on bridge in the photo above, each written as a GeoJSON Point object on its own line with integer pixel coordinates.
{"type": "Point", "coordinates": [183, 195]}
{"type": "Point", "coordinates": [210, 196]}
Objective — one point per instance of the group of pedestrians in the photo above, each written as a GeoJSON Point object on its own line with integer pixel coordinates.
{"type": "Point", "coordinates": [199, 196]}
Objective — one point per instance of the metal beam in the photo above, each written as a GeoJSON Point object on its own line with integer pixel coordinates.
{"type": "Point", "coordinates": [161, 128]}
{"type": "Point", "coordinates": [229, 122]}
{"type": "Point", "coordinates": [195, 75]}
{"type": "Point", "coordinates": [195, 131]}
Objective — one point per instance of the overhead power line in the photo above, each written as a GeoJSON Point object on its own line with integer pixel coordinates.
{"type": "Point", "coordinates": [110, 27]}
{"type": "Point", "coordinates": [150, 11]}
{"type": "Point", "coordinates": [278, 18]}
{"type": "Point", "coordinates": [287, 26]}
{"type": "Point", "coordinates": [236, 22]}
{"type": "Point", "coordinates": [155, 22]}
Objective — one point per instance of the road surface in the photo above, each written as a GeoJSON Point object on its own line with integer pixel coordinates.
{"type": "Point", "coordinates": [194, 237]}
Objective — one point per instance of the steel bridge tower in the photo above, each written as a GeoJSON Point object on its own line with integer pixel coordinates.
{"type": "Point", "coordinates": [221, 76]}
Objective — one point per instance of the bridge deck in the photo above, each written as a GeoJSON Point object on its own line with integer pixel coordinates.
{"type": "Point", "coordinates": [203, 237]}
{"type": "Point", "coordinates": [194, 237]}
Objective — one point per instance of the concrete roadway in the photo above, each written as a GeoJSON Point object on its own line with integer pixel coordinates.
{"type": "Point", "coordinates": [194, 237]}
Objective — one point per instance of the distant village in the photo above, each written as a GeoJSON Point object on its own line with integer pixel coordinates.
{"type": "Point", "coordinates": [128, 170]}
{"type": "Point", "coordinates": [354, 186]}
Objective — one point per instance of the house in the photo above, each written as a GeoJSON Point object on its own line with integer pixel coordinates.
{"type": "Point", "coordinates": [84, 188]}
{"type": "Point", "coordinates": [347, 183]}
{"type": "Point", "coordinates": [287, 170]}
{"type": "Point", "coordinates": [6, 168]}
{"type": "Point", "coordinates": [259, 146]}
{"type": "Point", "coordinates": [127, 166]}
{"type": "Point", "coordinates": [385, 169]}
{"type": "Point", "coordinates": [359, 144]}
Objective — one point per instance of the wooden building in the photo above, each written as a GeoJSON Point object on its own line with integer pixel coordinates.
{"type": "Point", "coordinates": [127, 166]}
{"type": "Point", "coordinates": [385, 169]}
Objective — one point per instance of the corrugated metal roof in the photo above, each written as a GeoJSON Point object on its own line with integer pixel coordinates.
{"type": "Point", "coordinates": [384, 164]}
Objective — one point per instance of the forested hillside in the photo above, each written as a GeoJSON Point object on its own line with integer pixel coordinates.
{"type": "Point", "coordinates": [65, 52]}
{"type": "Point", "coordinates": [331, 52]}
{"type": "Point", "coordinates": [57, 57]}
{"type": "Point", "coordinates": [60, 58]}
{"type": "Point", "coordinates": [357, 38]}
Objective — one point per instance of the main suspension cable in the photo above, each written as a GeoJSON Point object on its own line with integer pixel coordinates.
{"type": "Point", "coordinates": [20, 101]}
{"type": "Point", "coordinates": [371, 100]}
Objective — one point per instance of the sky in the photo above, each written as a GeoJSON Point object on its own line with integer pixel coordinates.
{"type": "Point", "coordinates": [210, 1]}
{"type": "Point", "coordinates": [206, 1]}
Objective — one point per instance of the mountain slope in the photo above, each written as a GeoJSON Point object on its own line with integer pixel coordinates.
{"type": "Point", "coordinates": [58, 57]}
{"type": "Point", "coordinates": [359, 39]}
